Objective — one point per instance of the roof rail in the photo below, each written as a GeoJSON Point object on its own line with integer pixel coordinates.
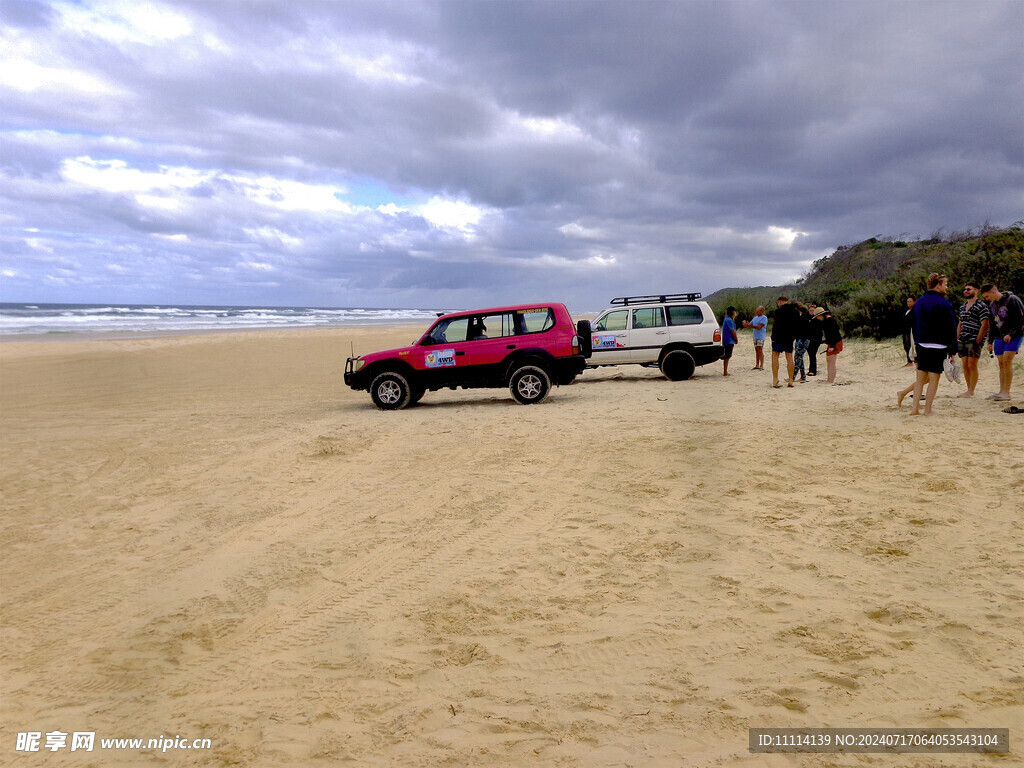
{"type": "Point", "coordinates": [627, 300]}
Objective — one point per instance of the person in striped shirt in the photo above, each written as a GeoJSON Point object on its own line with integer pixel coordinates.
{"type": "Point", "coordinates": [970, 333]}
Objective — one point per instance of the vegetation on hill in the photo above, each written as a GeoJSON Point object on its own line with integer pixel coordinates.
{"type": "Point", "coordinates": [866, 285]}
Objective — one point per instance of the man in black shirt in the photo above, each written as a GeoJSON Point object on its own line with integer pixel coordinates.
{"type": "Point", "coordinates": [784, 330]}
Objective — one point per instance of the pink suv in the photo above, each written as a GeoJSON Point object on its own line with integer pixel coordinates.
{"type": "Point", "coordinates": [525, 347]}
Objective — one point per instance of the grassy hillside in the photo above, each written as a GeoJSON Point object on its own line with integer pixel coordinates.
{"type": "Point", "coordinates": [866, 285]}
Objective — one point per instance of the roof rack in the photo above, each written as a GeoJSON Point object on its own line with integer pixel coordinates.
{"type": "Point", "coordinates": [627, 300]}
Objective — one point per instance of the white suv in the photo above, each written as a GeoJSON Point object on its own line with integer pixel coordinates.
{"type": "Point", "coordinates": [675, 332]}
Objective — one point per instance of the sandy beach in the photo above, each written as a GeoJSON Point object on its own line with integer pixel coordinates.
{"type": "Point", "coordinates": [211, 537]}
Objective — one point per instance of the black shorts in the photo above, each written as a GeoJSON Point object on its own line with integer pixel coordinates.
{"type": "Point", "coordinates": [929, 359]}
{"type": "Point", "coordinates": [727, 351]}
{"type": "Point", "coordinates": [782, 345]}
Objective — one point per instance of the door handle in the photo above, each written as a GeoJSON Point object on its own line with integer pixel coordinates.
{"type": "Point", "coordinates": [460, 353]}
{"type": "Point", "coordinates": [661, 333]}
{"type": "Point", "coordinates": [510, 346]}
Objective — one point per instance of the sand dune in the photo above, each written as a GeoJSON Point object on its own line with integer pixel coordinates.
{"type": "Point", "coordinates": [211, 537]}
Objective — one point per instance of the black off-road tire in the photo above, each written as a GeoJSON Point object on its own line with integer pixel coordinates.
{"type": "Point", "coordinates": [529, 384]}
{"type": "Point", "coordinates": [390, 391]}
{"type": "Point", "coordinates": [586, 334]}
{"type": "Point", "coordinates": [417, 395]}
{"type": "Point", "coordinates": [678, 365]}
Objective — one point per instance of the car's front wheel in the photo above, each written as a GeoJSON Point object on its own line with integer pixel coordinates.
{"type": "Point", "coordinates": [390, 391]}
{"type": "Point", "coordinates": [529, 384]}
{"type": "Point", "coordinates": [678, 365]}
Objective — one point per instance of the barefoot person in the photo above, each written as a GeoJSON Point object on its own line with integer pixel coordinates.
{"type": "Point", "coordinates": [971, 333]}
{"type": "Point", "coordinates": [908, 322]}
{"type": "Point", "coordinates": [729, 338]}
{"type": "Point", "coordinates": [759, 322]}
{"type": "Point", "coordinates": [935, 339]}
{"type": "Point", "coordinates": [1006, 312]}
{"type": "Point", "coordinates": [814, 342]}
{"type": "Point", "coordinates": [783, 335]}
{"type": "Point", "coordinates": [833, 340]}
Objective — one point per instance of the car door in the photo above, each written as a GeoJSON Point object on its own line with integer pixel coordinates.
{"type": "Point", "coordinates": [445, 353]}
{"type": "Point", "coordinates": [610, 338]}
{"type": "Point", "coordinates": [647, 334]}
{"type": "Point", "coordinates": [491, 340]}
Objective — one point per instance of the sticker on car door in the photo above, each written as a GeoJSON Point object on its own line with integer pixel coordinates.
{"type": "Point", "coordinates": [442, 358]}
{"type": "Point", "coordinates": [606, 341]}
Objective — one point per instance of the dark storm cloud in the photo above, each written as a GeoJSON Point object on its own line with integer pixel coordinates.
{"type": "Point", "coordinates": [573, 149]}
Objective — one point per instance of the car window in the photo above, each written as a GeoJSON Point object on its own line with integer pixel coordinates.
{"type": "Point", "coordinates": [613, 321]}
{"type": "Point", "coordinates": [449, 331]}
{"type": "Point", "coordinates": [689, 314]}
{"type": "Point", "coordinates": [649, 317]}
{"type": "Point", "coordinates": [493, 326]}
{"type": "Point", "coordinates": [536, 320]}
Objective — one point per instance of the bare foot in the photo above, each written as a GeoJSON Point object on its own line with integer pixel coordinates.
{"type": "Point", "coordinates": [899, 399]}
{"type": "Point", "coordinates": [914, 413]}
{"type": "Point", "coordinates": [727, 374]}
{"type": "Point", "coordinates": [966, 394]}
{"type": "Point", "coordinates": [929, 413]}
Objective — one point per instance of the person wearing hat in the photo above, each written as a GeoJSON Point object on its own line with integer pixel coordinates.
{"type": "Point", "coordinates": [833, 339]}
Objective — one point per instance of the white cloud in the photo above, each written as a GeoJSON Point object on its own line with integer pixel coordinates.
{"type": "Point", "coordinates": [256, 266]}
{"type": "Point", "coordinates": [577, 230]}
{"type": "Point", "coordinates": [125, 21]}
{"type": "Point", "coordinates": [273, 236]}
{"type": "Point", "coordinates": [450, 214]}
{"type": "Point", "coordinates": [18, 72]}
{"type": "Point", "coordinates": [153, 188]}
{"type": "Point", "coordinates": [116, 176]}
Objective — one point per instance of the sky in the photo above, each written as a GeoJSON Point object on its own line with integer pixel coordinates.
{"type": "Point", "coordinates": [482, 152]}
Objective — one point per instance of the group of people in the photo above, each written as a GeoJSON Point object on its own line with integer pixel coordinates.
{"type": "Point", "coordinates": [934, 334]}
{"type": "Point", "coordinates": [798, 329]}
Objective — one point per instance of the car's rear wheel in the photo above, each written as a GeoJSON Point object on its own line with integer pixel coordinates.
{"type": "Point", "coordinates": [678, 365]}
{"type": "Point", "coordinates": [417, 395]}
{"type": "Point", "coordinates": [529, 385]}
{"type": "Point", "coordinates": [390, 391]}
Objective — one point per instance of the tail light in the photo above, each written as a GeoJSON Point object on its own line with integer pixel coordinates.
{"type": "Point", "coordinates": [718, 334]}
{"type": "Point", "coordinates": [575, 345]}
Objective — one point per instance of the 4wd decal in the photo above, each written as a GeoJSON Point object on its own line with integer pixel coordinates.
{"type": "Point", "coordinates": [442, 358]}
{"type": "Point", "coordinates": [606, 341]}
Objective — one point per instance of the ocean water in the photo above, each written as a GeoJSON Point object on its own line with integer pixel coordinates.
{"type": "Point", "coordinates": [128, 319]}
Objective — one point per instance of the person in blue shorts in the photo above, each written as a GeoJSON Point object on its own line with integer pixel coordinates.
{"type": "Point", "coordinates": [729, 338]}
{"type": "Point", "coordinates": [759, 324]}
{"type": "Point", "coordinates": [1005, 332]}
